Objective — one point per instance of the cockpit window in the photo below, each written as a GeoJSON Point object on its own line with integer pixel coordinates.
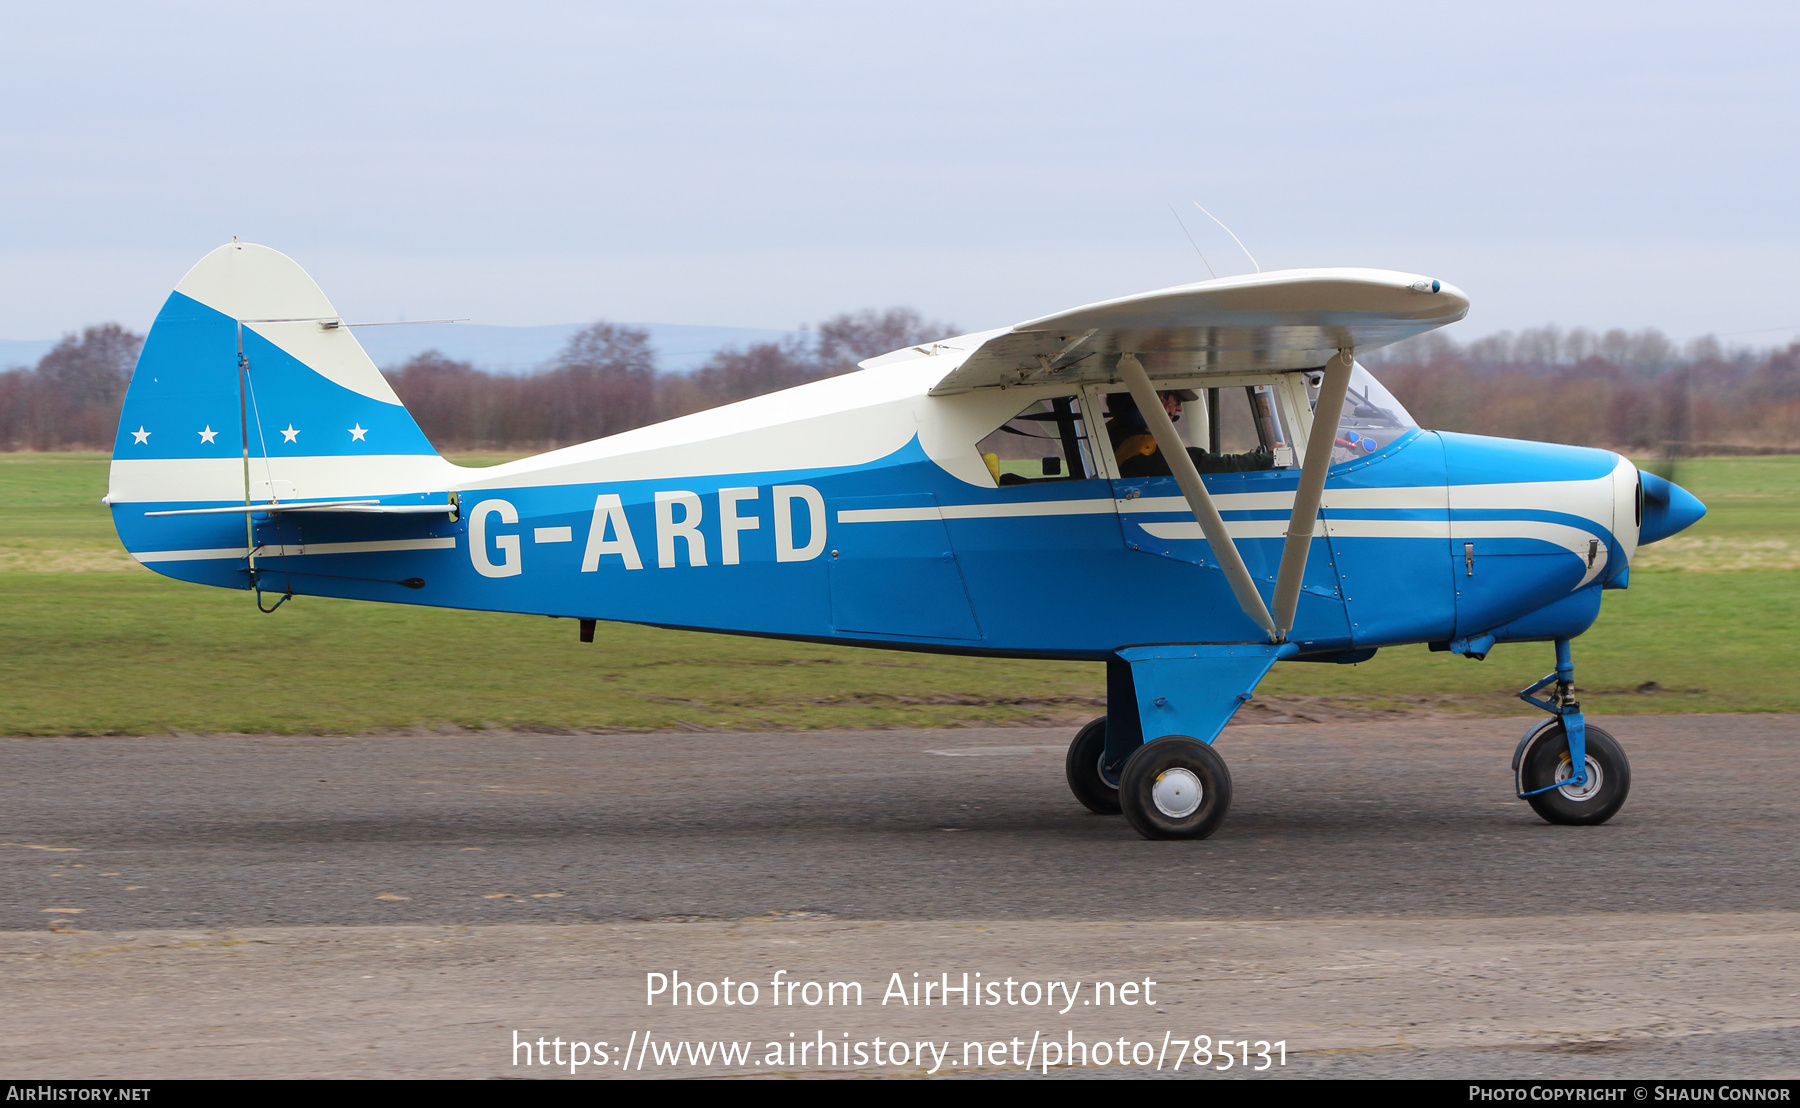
{"type": "Point", "coordinates": [1045, 442]}
{"type": "Point", "coordinates": [1371, 418]}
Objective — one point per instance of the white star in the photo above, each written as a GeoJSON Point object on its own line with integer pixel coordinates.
{"type": "Point", "coordinates": [357, 432]}
{"type": "Point", "coordinates": [140, 436]}
{"type": "Point", "coordinates": [209, 434]}
{"type": "Point", "coordinates": [290, 434]}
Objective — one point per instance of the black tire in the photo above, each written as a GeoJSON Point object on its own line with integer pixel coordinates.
{"type": "Point", "coordinates": [1182, 766]}
{"type": "Point", "coordinates": [1546, 761]}
{"type": "Point", "coordinates": [1082, 766]}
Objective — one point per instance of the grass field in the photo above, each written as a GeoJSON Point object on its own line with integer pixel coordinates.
{"type": "Point", "coordinates": [92, 643]}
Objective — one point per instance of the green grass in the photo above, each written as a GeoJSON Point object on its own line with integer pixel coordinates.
{"type": "Point", "coordinates": [91, 643]}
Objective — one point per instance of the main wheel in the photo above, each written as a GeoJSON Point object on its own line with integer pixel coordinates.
{"type": "Point", "coordinates": [1087, 776]}
{"type": "Point", "coordinates": [1546, 762]}
{"type": "Point", "coordinates": [1175, 788]}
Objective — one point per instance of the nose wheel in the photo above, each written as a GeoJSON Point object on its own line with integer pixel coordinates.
{"type": "Point", "coordinates": [1568, 770]}
{"type": "Point", "coordinates": [1549, 783]}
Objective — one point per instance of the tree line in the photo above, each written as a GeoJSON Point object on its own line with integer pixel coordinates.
{"type": "Point", "coordinates": [1632, 391]}
{"type": "Point", "coordinates": [606, 381]}
{"type": "Point", "coordinates": [1636, 392]}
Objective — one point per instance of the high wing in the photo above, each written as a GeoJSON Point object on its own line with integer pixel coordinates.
{"type": "Point", "coordinates": [1289, 320]}
{"type": "Point", "coordinates": [1286, 320]}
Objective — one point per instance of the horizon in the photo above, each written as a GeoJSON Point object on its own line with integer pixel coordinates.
{"type": "Point", "coordinates": [534, 348]}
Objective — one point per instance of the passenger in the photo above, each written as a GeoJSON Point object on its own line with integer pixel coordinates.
{"type": "Point", "coordinates": [1135, 448]}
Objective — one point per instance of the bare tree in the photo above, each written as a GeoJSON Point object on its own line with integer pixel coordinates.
{"type": "Point", "coordinates": [602, 383]}
{"type": "Point", "coordinates": [841, 341]}
{"type": "Point", "coordinates": [95, 368]}
{"type": "Point", "coordinates": [73, 395]}
{"type": "Point", "coordinates": [851, 337]}
{"type": "Point", "coordinates": [734, 374]}
{"type": "Point", "coordinates": [460, 407]}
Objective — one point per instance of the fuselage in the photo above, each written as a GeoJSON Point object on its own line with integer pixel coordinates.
{"type": "Point", "coordinates": [857, 510]}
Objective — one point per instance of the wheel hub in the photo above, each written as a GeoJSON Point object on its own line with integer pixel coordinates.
{"type": "Point", "coordinates": [1177, 793]}
{"type": "Point", "coordinates": [1110, 780]}
{"type": "Point", "coordinates": [1580, 793]}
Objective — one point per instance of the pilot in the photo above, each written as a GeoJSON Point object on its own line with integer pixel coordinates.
{"type": "Point", "coordinates": [1135, 447]}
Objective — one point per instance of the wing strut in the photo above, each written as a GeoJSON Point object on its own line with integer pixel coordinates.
{"type": "Point", "coordinates": [1175, 451]}
{"type": "Point", "coordinates": [1312, 487]}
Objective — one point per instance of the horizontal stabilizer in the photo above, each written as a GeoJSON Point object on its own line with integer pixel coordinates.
{"type": "Point", "coordinates": [374, 506]}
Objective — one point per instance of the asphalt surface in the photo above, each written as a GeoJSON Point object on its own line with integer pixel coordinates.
{"type": "Point", "coordinates": [1410, 817]}
{"type": "Point", "coordinates": [408, 905]}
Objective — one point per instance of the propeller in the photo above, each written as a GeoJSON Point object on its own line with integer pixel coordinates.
{"type": "Point", "coordinates": [1667, 507]}
{"type": "Point", "coordinates": [1677, 424]}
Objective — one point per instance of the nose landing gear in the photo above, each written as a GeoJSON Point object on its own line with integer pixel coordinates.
{"type": "Point", "coordinates": [1569, 771]}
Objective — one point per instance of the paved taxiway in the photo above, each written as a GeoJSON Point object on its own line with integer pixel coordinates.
{"type": "Point", "coordinates": [397, 904]}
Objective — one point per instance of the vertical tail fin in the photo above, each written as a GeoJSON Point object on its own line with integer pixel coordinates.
{"type": "Point", "coordinates": [250, 389]}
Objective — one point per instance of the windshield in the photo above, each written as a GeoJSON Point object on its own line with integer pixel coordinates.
{"type": "Point", "coordinates": [1371, 418]}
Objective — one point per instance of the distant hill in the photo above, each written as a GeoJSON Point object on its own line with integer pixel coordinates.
{"type": "Point", "coordinates": [679, 347]}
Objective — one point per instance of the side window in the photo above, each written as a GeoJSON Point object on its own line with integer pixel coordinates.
{"type": "Point", "coordinates": [1237, 420]}
{"type": "Point", "coordinates": [1045, 442]}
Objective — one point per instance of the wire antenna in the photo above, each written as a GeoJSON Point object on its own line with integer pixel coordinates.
{"type": "Point", "coordinates": [407, 322]}
{"type": "Point", "coordinates": [1233, 235]}
{"type": "Point", "coordinates": [1191, 242]}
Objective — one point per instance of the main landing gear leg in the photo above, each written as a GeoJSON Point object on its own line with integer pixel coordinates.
{"type": "Point", "coordinates": [1151, 755]}
{"type": "Point", "coordinates": [1568, 770]}
{"type": "Point", "coordinates": [1097, 756]}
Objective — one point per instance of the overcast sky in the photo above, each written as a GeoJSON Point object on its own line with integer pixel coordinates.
{"type": "Point", "coordinates": [1617, 164]}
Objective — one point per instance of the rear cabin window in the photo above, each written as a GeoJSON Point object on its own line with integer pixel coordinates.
{"type": "Point", "coordinates": [1045, 442]}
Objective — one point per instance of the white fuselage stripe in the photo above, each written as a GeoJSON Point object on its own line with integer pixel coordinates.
{"type": "Point", "coordinates": [215, 480]}
{"type": "Point", "coordinates": [1568, 496]}
{"type": "Point", "coordinates": [977, 511]}
{"type": "Point", "coordinates": [1573, 539]}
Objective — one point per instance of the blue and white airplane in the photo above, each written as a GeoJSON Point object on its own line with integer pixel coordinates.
{"type": "Point", "coordinates": [1021, 492]}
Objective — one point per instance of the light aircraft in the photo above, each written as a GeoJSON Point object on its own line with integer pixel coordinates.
{"type": "Point", "coordinates": [984, 495]}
